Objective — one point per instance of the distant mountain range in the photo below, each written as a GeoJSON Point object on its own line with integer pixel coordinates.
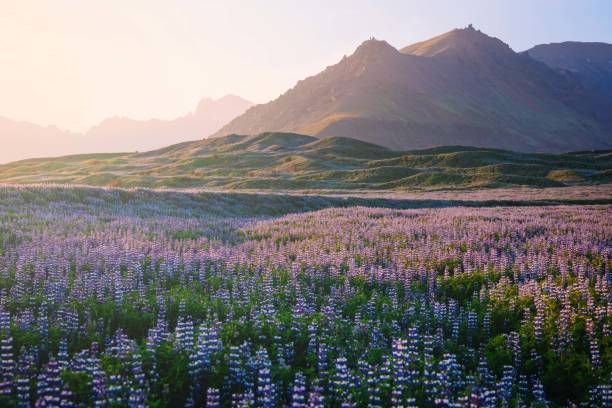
{"type": "Point", "coordinates": [460, 88]}
{"type": "Point", "coordinates": [287, 161]}
{"type": "Point", "coordinates": [22, 140]}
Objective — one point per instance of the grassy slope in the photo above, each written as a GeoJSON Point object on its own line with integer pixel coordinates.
{"type": "Point", "coordinates": [283, 161]}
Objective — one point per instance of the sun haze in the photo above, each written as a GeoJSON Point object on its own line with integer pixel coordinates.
{"type": "Point", "coordinates": [73, 64]}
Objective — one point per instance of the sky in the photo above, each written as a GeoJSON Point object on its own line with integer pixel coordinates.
{"type": "Point", "coordinates": [73, 63]}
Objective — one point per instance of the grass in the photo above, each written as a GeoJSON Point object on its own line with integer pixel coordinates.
{"type": "Point", "coordinates": [285, 161]}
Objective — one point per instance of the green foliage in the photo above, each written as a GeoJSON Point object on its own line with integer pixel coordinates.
{"type": "Point", "coordinates": [80, 385]}
{"type": "Point", "coordinates": [174, 377]}
{"type": "Point", "coordinates": [277, 161]}
{"type": "Point", "coordinates": [498, 354]}
{"type": "Point", "coordinates": [462, 286]}
{"type": "Point", "coordinates": [567, 376]}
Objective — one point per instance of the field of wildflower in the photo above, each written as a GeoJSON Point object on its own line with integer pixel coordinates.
{"type": "Point", "coordinates": [112, 299]}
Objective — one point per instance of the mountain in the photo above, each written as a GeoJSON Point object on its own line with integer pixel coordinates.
{"type": "Point", "coordinates": [460, 88]}
{"type": "Point", "coordinates": [21, 140]}
{"type": "Point", "coordinates": [589, 62]}
{"type": "Point", "coordinates": [287, 161]}
{"type": "Point", "coordinates": [209, 116]}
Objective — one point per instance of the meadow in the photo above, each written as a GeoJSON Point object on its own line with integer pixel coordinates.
{"type": "Point", "coordinates": [274, 161]}
{"type": "Point", "coordinates": [133, 298]}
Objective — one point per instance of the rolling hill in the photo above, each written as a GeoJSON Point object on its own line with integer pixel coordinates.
{"type": "Point", "coordinates": [284, 161]}
{"type": "Point", "coordinates": [460, 88]}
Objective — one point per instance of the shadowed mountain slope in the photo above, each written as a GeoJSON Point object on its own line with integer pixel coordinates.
{"type": "Point", "coordinates": [590, 63]}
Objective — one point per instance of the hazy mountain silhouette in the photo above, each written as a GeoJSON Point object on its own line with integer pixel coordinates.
{"type": "Point", "coordinates": [22, 140]}
{"type": "Point", "coordinates": [460, 88]}
{"type": "Point", "coordinates": [209, 116]}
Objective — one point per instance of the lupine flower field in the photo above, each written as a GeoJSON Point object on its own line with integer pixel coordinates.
{"type": "Point", "coordinates": [136, 303]}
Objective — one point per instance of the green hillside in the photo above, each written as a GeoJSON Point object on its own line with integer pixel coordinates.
{"type": "Point", "coordinates": [287, 161]}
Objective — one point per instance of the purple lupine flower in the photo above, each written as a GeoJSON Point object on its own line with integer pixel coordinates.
{"type": "Point", "coordinates": [212, 398]}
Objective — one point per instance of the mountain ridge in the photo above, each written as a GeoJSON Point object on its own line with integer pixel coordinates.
{"type": "Point", "coordinates": [462, 87]}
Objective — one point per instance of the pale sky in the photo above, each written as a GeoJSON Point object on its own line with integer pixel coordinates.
{"type": "Point", "coordinates": [75, 62]}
